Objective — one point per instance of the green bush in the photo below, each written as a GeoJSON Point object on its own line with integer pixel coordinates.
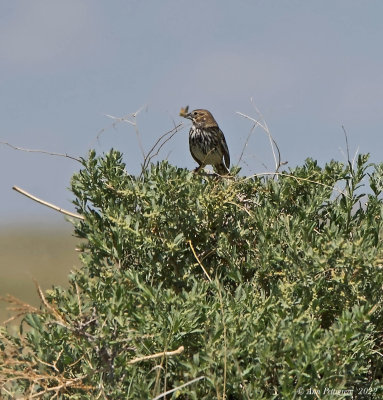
{"type": "Point", "coordinates": [242, 288]}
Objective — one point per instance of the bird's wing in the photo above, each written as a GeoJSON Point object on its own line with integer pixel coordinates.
{"type": "Point", "coordinates": [225, 150]}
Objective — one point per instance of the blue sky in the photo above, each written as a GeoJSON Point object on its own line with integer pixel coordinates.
{"type": "Point", "coordinates": [310, 67]}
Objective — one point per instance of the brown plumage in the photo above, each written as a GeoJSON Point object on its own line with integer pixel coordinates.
{"type": "Point", "coordinates": [207, 142]}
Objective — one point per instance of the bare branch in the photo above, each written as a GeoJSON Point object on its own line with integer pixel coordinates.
{"type": "Point", "coordinates": [117, 120]}
{"type": "Point", "coordinates": [157, 355]}
{"type": "Point", "coordinates": [40, 151]}
{"type": "Point", "coordinates": [199, 262]}
{"type": "Point", "coordinates": [246, 143]}
{"type": "Point", "coordinates": [54, 364]}
{"type": "Point", "coordinates": [158, 143]}
{"type": "Point", "coordinates": [45, 203]}
{"type": "Point", "coordinates": [74, 383]}
{"type": "Point", "coordinates": [297, 179]}
{"type": "Point", "coordinates": [129, 119]}
{"type": "Point", "coordinates": [178, 387]}
{"type": "Point", "coordinates": [277, 157]}
{"type": "Point", "coordinates": [18, 307]}
{"type": "Point", "coordinates": [267, 130]}
{"type": "Point", "coordinates": [48, 306]}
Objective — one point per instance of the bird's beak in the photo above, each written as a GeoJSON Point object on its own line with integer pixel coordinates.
{"type": "Point", "coordinates": [188, 116]}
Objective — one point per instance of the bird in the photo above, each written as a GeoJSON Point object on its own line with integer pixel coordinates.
{"type": "Point", "coordinates": [207, 142]}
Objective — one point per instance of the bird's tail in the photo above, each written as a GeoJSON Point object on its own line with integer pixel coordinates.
{"type": "Point", "coordinates": [221, 169]}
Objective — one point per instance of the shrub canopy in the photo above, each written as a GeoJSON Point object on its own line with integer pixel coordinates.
{"type": "Point", "coordinates": [263, 287]}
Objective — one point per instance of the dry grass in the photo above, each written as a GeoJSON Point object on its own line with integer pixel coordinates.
{"type": "Point", "coordinates": [27, 253]}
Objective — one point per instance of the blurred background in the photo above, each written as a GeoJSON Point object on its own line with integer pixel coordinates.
{"type": "Point", "coordinates": [309, 67]}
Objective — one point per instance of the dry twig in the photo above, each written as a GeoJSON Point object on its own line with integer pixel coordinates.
{"type": "Point", "coordinates": [262, 124]}
{"type": "Point", "coordinates": [198, 260]}
{"type": "Point", "coordinates": [178, 388]}
{"type": "Point", "coordinates": [45, 203]}
{"type": "Point", "coordinates": [297, 179]}
{"type": "Point", "coordinates": [153, 152]}
{"type": "Point", "coordinates": [157, 355]}
{"type": "Point", "coordinates": [40, 151]}
{"type": "Point", "coordinates": [48, 306]}
{"type": "Point", "coordinates": [15, 368]}
{"type": "Point", "coordinates": [129, 119]}
{"type": "Point", "coordinates": [18, 307]}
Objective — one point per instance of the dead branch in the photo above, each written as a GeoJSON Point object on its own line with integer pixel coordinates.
{"type": "Point", "coordinates": [265, 128]}
{"type": "Point", "coordinates": [158, 143]}
{"type": "Point", "coordinates": [297, 179]}
{"type": "Point", "coordinates": [129, 119]}
{"type": "Point", "coordinates": [48, 306]}
{"type": "Point", "coordinates": [40, 151]}
{"type": "Point", "coordinates": [246, 143]}
{"type": "Point", "coordinates": [45, 203]}
{"type": "Point", "coordinates": [198, 260]}
{"type": "Point", "coordinates": [178, 387]}
{"type": "Point", "coordinates": [19, 307]}
{"type": "Point", "coordinates": [14, 369]}
{"type": "Point", "coordinates": [157, 355]}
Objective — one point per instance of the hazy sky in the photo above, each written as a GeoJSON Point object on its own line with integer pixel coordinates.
{"type": "Point", "coordinates": [310, 66]}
